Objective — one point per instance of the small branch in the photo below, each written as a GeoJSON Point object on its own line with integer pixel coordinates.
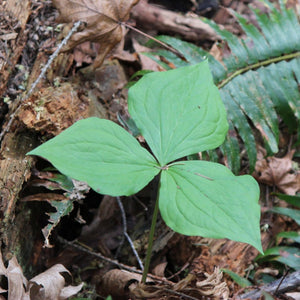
{"type": "Point", "coordinates": [127, 268]}
{"type": "Point", "coordinates": [289, 283]}
{"type": "Point", "coordinates": [182, 295]}
{"type": "Point", "coordinates": [52, 57]}
{"type": "Point", "coordinates": [155, 40]}
{"type": "Point", "coordinates": [44, 70]}
{"type": "Point", "coordinates": [109, 260]}
{"type": "Point", "coordinates": [185, 266]}
{"type": "Point", "coordinates": [126, 234]}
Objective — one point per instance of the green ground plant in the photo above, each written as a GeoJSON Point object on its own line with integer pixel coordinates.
{"type": "Point", "coordinates": [286, 252]}
{"type": "Point", "coordinates": [179, 113]}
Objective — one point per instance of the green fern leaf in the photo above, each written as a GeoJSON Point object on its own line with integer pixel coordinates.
{"type": "Point", "coordinates": [258, 81]}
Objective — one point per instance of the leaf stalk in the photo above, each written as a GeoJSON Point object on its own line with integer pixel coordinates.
{"type": "Point", "coordinates": [180, 55]}
{"type": "Point", "coordinates": [150, 241]}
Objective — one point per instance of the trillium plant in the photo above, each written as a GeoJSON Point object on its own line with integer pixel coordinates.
{"type": "Point", "coordinates": [179, 113]}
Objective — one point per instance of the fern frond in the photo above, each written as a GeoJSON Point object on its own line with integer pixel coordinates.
{"type": "Point", "coordinates": [258, 81]}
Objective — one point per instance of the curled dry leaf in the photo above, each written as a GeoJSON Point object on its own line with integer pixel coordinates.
{"type": "Point", "coordinates": [278, 172]}
{"type": "Point", "coordinates": [116, 282]}
{"type": "Point", "coordinates": [103, 22]}
{"type": "Point", "coordinates": [49, 285]}
{"type": "Point", "coordinates": [16, 280]}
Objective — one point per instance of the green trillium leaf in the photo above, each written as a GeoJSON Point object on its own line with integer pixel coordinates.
{"type": "Point", "coordinates": [206, 199]}
{"type": "Point", "coordinates": [178, 112]}
{"type": "Point", "coordinates": [102, 154]}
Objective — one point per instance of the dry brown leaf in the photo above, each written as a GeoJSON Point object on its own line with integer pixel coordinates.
{"type": "Point", "coordinates": [48, 197]}
{"type": "Point", "coordinates": [278, 172]}
{"type": "Point", "coordinates": [160, 269]}
{"type": "Point", "coordinates": [85, 53]}
{"type": "Point", "coordinates": [211, 287]}
{"type": "Point", "coordinates": [115, 282]}
{"type": "Point", "coordinates": [146, 62]}
{"type": "Point", "coordinates": [48, 285]}
{"type": "Point", "coordinates": [103, 21]}
{"type": "Point", "coordinates": [16, 280]}
{"type": "Point", "coordinates": [3, 270]}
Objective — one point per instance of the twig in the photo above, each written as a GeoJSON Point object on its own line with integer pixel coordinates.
{"type": "Point", "coordinates": [42, 74]}
{"type": "Point", "coordinates": [140, 202]}
{"type": "Point", "coordinates": [279, 286]}
{"type": "Point", "coordinates": [173, 50]}
{"type": "Point", "coordinates": [182, 295]}
{"type": "Point", "coordinates": [52, 57]}
{"type": "Point", "coordinates": [127, 268]}
{"type": "Point", "coordinates": [178, 272]}
{"type": "Point", "coordinates": [109, 260]}
{"type": "Point", "coordinates": [126, 234]}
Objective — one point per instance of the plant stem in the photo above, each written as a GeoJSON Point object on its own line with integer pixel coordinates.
{"type": "Point", "coordinates": [176, 52]}
{"type": "Point", "coordinates": [258, 65]}
{"type": "Point", "coordinates": [150, 241]}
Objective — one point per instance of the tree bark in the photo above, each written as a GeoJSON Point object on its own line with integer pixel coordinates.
{"type": "Point", "coordinates": [45, 113]}
{"type": "Point", "coordinates": [12, 36]}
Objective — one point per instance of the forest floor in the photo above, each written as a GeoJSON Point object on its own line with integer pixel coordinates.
{"type": "Point", "coordinates": [71, 91]}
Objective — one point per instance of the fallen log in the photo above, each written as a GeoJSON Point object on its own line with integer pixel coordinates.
{"type": "Point", "coordinates": [189, 27]}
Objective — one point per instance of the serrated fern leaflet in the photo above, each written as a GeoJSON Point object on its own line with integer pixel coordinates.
{"type": "Point", "coordinates": [258, 82]}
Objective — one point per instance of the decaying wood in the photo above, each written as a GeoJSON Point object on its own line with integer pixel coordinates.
{"type": "Point", "coordinates": [46, 112]}
{"type": "Point", "coordinates": [189, 27]}
{"type": "Point", "coordinates": [14, 170]}
{"type": "Point", "coordinates": [282, 285]}
{"type": "Point", "coordinates": [232, 255]}
{"type": "Point", "coordinates": [13, 18]}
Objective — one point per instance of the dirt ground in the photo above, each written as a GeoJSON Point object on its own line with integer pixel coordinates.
{"type": "Point", "coordinates": [71, 90]}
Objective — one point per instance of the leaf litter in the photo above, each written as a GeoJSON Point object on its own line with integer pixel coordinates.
{"type": "Point", "coordinates": [49, 285]}
{"type": "Point", "coordinates": [63, 204]}
{"type": "Point", "coordinates": [85, 2]}
{"type": "Point", "coordinates": [279, 172]}
{"type": "Point", "coordinates": [194, 286]}
{"type": "Point", "coordinates": [103, 22]}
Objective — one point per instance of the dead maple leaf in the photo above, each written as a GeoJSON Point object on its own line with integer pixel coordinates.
{"type": "Point", "coordinates": [278, 172]}
{"type": "Point", "coordinates": [103, 21]}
